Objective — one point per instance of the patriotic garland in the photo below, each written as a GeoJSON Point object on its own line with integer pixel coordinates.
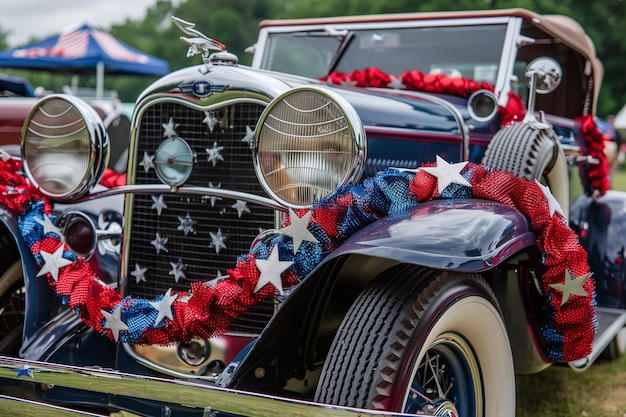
{"type": "Point", "coordinates": [567, 320]}
{"type": "Point", "coordinates": [414, 80]}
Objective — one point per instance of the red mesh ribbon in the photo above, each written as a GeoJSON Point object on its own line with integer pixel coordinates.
{"type": "Point", "coordinates": [598, 174]}
{"type": "Point", "coordinates": [414, 80]}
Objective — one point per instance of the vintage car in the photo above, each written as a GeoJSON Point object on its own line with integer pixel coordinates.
{"type": "Point", "coordinates": [383, 215]}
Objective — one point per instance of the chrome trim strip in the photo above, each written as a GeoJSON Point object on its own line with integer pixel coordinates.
{"type": "Point", "coordinates": [408, 23]}
{"type": "Point", "coordinates": [173, 391]}
{"type": "Point", "coordinates": [507, 61]}
{"type": "Point", "coordinates": [166, 189]}
{"type": "Point", "coordinates": [12, 406]}
{"type": "Point", "coordinates": [164, 369]}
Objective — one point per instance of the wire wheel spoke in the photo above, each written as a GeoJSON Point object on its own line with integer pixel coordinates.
{"type": "Point", "coordinates": [436, 383]}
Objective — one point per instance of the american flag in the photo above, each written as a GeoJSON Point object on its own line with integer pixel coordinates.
{"type": "Point", "coordinates": [75, 44]}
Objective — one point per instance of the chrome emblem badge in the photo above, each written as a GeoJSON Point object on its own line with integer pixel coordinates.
{"type": "Point", "coordinates": [201, 88]}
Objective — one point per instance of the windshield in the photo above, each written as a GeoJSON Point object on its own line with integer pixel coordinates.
{"type": "Point", "coordinates": [468, 51]}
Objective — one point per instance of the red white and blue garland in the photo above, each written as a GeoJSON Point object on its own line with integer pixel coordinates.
{"type": "Point", "coordinates": [568, 321]}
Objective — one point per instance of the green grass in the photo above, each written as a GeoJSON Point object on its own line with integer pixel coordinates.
{"type": "Point", "coordinates": [619, 182]}
{"type": "Point", "coordinates": [559, 391]}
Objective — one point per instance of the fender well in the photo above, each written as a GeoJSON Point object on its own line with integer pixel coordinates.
{"type": "Point", "coordinates": [13, 249]}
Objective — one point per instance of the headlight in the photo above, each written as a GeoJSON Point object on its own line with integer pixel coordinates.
{"type": "Point", "coordinates": [64, 146]}
{"type": "Point", "coordinates": [482, 105]}
{"type": "Point", "coordinates": [309, 142]}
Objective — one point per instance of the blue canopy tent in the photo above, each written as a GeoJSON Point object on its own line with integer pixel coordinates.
{"type": "Point", "coordinates": [84, 50]}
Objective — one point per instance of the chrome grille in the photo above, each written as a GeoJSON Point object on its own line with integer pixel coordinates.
{"type": "Point", "coordinates": [202, 259]}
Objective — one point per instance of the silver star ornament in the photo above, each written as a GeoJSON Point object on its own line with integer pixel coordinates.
{"type": "Point", "coordinates": [241, 207]}
{"type": "Point", "coordinates": [147, 162]}
{"type": "Point", "coordinates": [139, 273]}
{"type": "Point", "coordinates": [249, 137]}
{"type": "Point", "coordinates": [53, 262]}
{"type": "Point", "coordinates": [217, 240]}
{"type": "Point", "coordinates": [271, 269]}
{"type": "Point", "coordinates": [159, 244]}
{"type": "Point", "coordinates": [447, 174]}
{"type": "Point", "coordinates": [48, 226]}
{"type": "Point", "coordinates": [158, 204]}
{"type": "Point", "coordinates": [210, 120]}
{"type": "Point", "coordinates": [298, 229]}
{"type": "Point", "coordinates": [187, 224]}
{"type": "Point", "coordinates": [114, 322]}
{"type": "Point", "coordinates": [214, 154]}
{"type": "Point", "coordinates": [164, 306]}
{"type": "Point", "coordinates": [553, 204]}
{"type": "Point", "coordinates": [571, 286]}
{"type": "Point", "coordinates": [396, 83]}
{"type": "Point", "coordinates": [178, 270]}
{"type": "Point", "coordinates": [169, 128]}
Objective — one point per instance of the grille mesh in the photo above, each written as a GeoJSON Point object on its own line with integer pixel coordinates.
{"type": "Point", "coordinates": [203, 259]}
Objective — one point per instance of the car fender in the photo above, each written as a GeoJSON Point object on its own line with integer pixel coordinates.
{"type": "Point", "coordinates": [467, 235]}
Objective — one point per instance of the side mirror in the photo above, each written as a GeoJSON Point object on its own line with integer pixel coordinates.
{"type": "Point", "coordinates": [548, 73]}
{"type": "Point", "coordinates": [543, 76]}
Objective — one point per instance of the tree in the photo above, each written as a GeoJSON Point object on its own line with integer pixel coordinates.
{"type": "Point", "coordinates": [3, 39]}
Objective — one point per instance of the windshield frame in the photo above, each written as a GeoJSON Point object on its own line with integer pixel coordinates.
{"type": "Point", "coordinates": [505, 66]}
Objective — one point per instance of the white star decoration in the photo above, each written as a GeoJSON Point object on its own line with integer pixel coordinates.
{"type": "Point", "coordinates": [210, 120]}
{"type": "Point", "coordinates": [159, 204]}
{"type": "Point", "coordinates": [169, 128]}
{"type": "Point", "coordinates": [114, 322]}
{"type": "Point", "coordinates": [187, 224]}
{"type": "Point", "coordinates": [552, 203]}
{"type": "Point", "coordinates": [249, 137]}
{"type": "Point", "coordinates": [396, 83]}
{"type": "Point", "coordinates": [139, 273]}
{"type": "Point", "coordinates": [159, 244]}
{"type": "Point", "coordinates": [219, 278]}
{"type": "Point", "coordinates": [164, 306]}
{"type": "Point", "coordinates": [447, 173]}
{"type": "Point", "coordinates": [348, 82]}
{"type": "Point", "coordinates": [571, 286]}
{"type": "Point", "coordinates": [271, 269]}
{"type": "Point", "coordinates": [214, 154]}
{"type": "Point", "coordinates": [241, 207]}
{"type": "Point", "coordinates": [298, 229]}
{"type": "Point", "coordinates": [53, 262]}
{"type": "Point", "coordinates": [147, 162]}
{"type": "Point", "coordinates": [214, 198]}
{"type": "Point", "coordinates": [48, 226]}
{"type": "Point", "coordinates": [217, 240]}
{"type": "Point", "coordinates": [178, 270]}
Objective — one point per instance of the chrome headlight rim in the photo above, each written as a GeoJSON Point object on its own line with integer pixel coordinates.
{"type": "Point", "coordinates": [354, 123]}
{"type": "Point", "coordinates": [98, 148]}
{"type": "Point", "coordinates": [482, 105]}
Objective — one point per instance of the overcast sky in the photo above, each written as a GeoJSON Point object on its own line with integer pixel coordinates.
{"type": "Point", "coordinates": [24, 19]}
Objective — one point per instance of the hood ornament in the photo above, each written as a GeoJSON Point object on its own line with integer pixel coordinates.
{"type": "Point", "coordinates": [212, 51]}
